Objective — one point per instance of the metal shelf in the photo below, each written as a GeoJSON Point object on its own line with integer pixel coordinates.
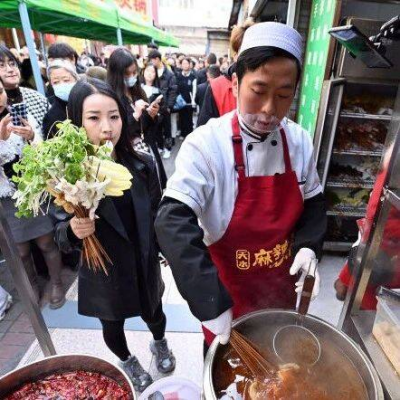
{"type": "Point", "coordinates": [337, 246]}
{"type": "Point", "coordinates": [347, 211]}
{"type": "Point", "coordinates": [344, 114]}
{"type": "Point", "coordinates": [358, 153]}
{"type": "Point", "coordinates": [350, 183]}
{"type": "Point", "coordinates": [393, 198]}
{"type": "Point", "coordinates": [363, 323]}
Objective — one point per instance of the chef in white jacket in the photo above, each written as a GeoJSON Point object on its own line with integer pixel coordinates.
{"type": "Point", "coordinates": [243, 216]}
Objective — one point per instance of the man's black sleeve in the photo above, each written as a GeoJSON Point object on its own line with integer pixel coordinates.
{"type": "Point", "coordinates": [208, 109]}
{"type": "Point", "coordinates": [311, 228]}
{"type": "Point", "coordinates": [181, 241]}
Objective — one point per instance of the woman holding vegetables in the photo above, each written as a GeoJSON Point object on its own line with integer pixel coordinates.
{"type": "Point", "coordinates": [124, 227]}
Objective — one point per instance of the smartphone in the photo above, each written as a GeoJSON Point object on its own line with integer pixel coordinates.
{"type": "Point", "coordinates": [18, 111]}
{"type": "Point", "coordinates": [158, 99]}
{"type": "Point", "coordinates": [359, 46]}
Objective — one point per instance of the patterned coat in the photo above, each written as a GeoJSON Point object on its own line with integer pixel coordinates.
{"type": "Point", "coordinates": [37, 104]}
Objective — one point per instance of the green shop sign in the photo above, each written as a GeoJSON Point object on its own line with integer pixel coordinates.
{"type": "Point", "coordinates": [321, 20]}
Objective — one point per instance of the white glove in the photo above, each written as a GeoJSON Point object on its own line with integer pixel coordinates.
{"type": "Point", "coordinates": [306, 262]}
{"type": "Point", "coordinates": [221, 326]}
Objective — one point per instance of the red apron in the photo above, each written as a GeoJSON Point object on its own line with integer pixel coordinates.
{"type": "Point", "coordinates": [253, 257]}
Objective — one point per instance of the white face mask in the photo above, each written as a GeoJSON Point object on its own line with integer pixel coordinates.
{"type": "Point", "coordinates": [258, 124]}
{"type": "Point", "coordinates": [131, 81]}
{"type": "Point", "coordinates": [62, 90]}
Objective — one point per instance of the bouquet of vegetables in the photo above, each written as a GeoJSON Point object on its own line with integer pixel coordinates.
{"type": "Point", "coordinates": [77, 174]}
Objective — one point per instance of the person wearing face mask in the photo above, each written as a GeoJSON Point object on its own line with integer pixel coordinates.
{"type": "Point", "coordinates": [243, 217]}
{"type": "Point", "coordinates": [133, 286]}
{"type": "Point", "coordinates": [62, 77]}
{"type": "Point", "coordinates": [123, 76]}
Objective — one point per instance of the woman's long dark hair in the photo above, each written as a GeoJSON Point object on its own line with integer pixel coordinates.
{"type": "Point", "coordinates": [118, 62]}
{"type": "Point", "coordinates": [156, 81]}
{"type": "Point", "coordinates": [83, 89]}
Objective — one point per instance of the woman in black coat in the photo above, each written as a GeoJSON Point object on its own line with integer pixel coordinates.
{"type": "Point", "coordinates": [123, 77]}
{"type": "Point", "coordinates": [153, 136]}
{"type": "Point", "coordinates": [133, 286]}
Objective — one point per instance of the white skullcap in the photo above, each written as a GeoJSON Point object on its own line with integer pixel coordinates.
{"type": "Point", "coordinates": [273, 34]}
{"type": "Point", "coordinates": [60, 63]}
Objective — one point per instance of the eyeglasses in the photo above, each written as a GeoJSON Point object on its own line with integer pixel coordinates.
{"type": "Point", "coordinates": [10, 63]}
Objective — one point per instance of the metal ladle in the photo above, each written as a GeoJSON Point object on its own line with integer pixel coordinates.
{"type": "Point", "coordinates": [295, 343]}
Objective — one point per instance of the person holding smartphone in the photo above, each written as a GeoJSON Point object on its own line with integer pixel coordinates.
{"type": "Point", "coordinates": [10, 74]}
{"type": "Point", "coordinates": [123, 76]}
{"type": "Point", "coordinates": [39, 230]}
{"type": "Point", "coordinates": [154, 135]}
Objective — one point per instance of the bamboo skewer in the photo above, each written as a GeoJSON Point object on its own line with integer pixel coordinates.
{"type": "Point", "coordinates": [92, 252]}
{"type": "Point", "coordinates": [251, 357]}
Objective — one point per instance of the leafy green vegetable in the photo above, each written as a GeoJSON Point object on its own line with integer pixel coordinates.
{"type": "Point", "coordinates": [61, 156]}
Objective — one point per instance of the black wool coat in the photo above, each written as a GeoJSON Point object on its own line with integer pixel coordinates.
{"type": "Point", "coordinates": [56, 113]}
{"type": "Point", "coordinates": [129, 289]}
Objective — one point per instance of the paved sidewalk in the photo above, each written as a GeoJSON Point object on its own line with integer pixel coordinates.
{"type": "Point", "coordinates": [16, 332]}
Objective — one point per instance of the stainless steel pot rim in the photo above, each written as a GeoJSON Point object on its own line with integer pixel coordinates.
{"type": "Point", "coordinates": [208, 389]}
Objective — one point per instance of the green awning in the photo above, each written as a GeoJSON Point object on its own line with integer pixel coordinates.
{"type": "Point", "coordinates": [87, 19]}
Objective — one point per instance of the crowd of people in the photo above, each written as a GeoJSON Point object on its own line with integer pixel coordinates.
{"type": "Point", "coordinates": [182, 81]}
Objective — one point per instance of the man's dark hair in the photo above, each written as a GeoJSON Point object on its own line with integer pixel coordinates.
{"type": "Point", "coordinates": [62, 50]}
{"type": "Point", "coordinates": [187, 59]}
{"type": "Point", "coordinates": [152, 45]}
{"type": "Point", "coordinates": [211, 59]}
{"type": "Point", "coordinates": [254, 58]}
{"type": "Point", "coordinates": [154, 54]}
{"type": "Point", "coordinates": [213, 71]}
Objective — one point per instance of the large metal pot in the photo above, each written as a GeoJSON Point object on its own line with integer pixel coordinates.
{"type": "Point", "coordinates": [59, 364]}
{"type": "Point", "coordinates": [260, 326]}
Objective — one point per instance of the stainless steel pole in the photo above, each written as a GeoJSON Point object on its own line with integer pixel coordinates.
{"type": "Point", "coordinates": [15, 39]}
{"type": "Point", "coordinates": [43, 48]}
{"type": "Point", "coordinates": [24, 287]}
{"type": "Point", "coordinates": [119, 37]}
{"type": "Point", "coordinates": [26, 27]}
{"type": "Point", "coordinates": [291, 13]}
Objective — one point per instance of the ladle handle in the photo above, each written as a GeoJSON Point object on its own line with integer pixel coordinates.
{"type": "Point", "coordinates": [306, 293]}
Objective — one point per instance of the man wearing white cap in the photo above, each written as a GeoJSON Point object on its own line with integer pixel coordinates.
{"type": "Point", "coordinates": [243, 217]}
